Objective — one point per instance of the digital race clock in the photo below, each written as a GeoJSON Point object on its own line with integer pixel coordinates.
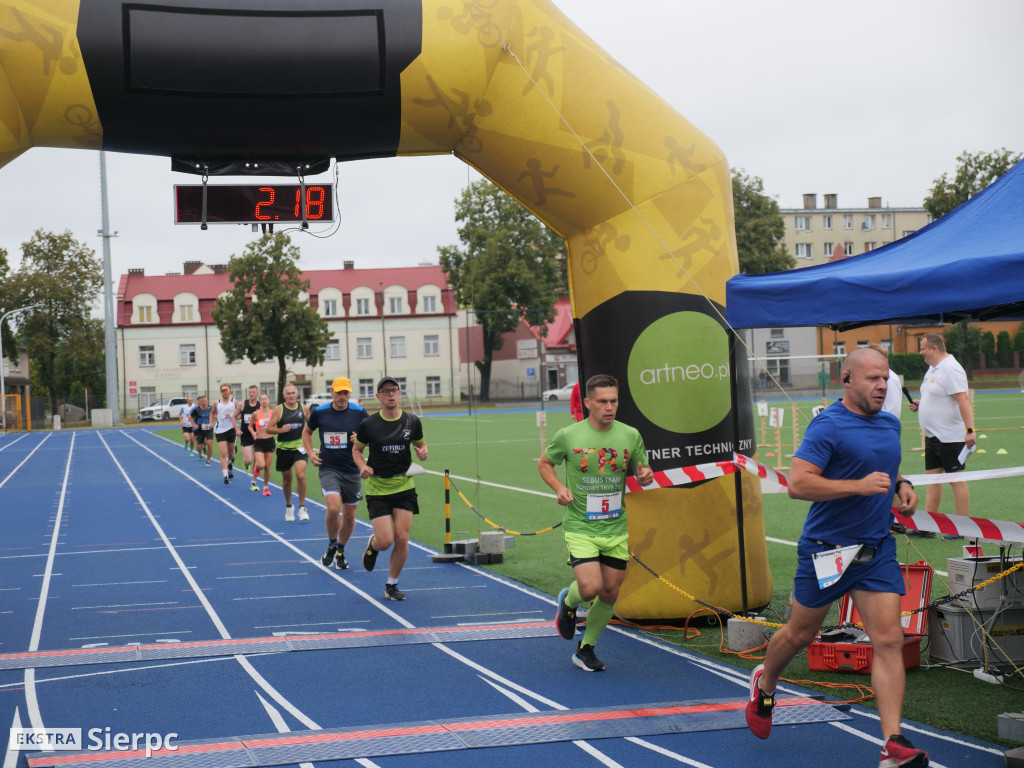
{"type": "Point", "coordinates": [253, 203]}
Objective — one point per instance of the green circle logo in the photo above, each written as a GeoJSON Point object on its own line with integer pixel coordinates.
{"type": "Point", "coordinates": [679, 372]}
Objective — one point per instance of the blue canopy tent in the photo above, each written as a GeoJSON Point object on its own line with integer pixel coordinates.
{"type": "Point", "coordinates": [967, 265]}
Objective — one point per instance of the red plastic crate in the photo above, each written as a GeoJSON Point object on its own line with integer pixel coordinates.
{"type": "Point", "coordinates": [856, 657]}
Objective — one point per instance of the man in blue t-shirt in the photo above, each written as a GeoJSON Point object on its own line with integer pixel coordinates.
{"type": "Point", "coordinates": [337, 422]}
{"type": "Point", "coordinates": [848, 466]}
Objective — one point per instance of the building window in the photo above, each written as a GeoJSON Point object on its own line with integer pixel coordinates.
{"type": "Point", "coordinates": [330, 307]}
{"type": "Point", "coordinates": [847, 221]}
{"type": "Point", "coordinates": [397, 346]}
{"type": "Point", "coordinates": [187, 354]}
{"type": "Point", "coordinates": [869, 247]}
{"type": "Point", "coordinates": [908, 232]}
{"type": "Point", "coordinates": [433, 386]}
{"type": "Point", "coordinates": [848, 247]}
{"type": "Point", "coordinates": [190, 390]}
{"type": "Point", "coordinates": [146, 314]}
{"type": "Point", "coordinates": [365, 388]}
{"type": "Point", "coordinates": [429, 304]}
{"type": "Point", "coordinates": [364, 348]}
{"type": "Point", "coordinates": [869, 221]}
{"type": "Point", "coordinates": [395, 305]}
{"type": "Point", "coordinates": [185, 313]}
{"type": "Point", "coordinates": [839, 347]}
{"type": "Point", "coordinates": [778, 333]}
{"type": "Point", "coordinates": [147, 396]}
{"type": "Point", "coordinates": [269, 388]}
{"type": "Point", "coordinates": [147, 356]}
{"type": "Point", "coordinates": [362, 306]}
{"type": "Point", "coordinates": [401, 384]}
{"type": "Point", "coordinates": [333, 350]}
{"type": "Point", "coordinates": [431, 345]}
{"type": "Point", "coordinates": [804, 250]}
{"type": "Point", "coordinates": [803, 223]}
{"type": "Point", "coordinates": [886, 221]}
{"type": "Point", "coordinates": [829, 247]}
{"type": "Point", "coordinates": [826, 221]}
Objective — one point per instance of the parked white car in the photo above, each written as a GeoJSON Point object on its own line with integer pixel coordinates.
{"type": "Point", "coordinates": [322, 398]}
{"type": "Point", "coordinates": [562, 393]}
{"type": "Point", "coordinates": [165, 409]}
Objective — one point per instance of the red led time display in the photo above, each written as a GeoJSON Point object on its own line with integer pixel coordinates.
{"type": "Point", "coordinates": [254, 203]}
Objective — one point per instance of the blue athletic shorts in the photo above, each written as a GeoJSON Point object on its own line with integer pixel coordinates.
{"type": "Point", "coordinates": [881, 574]}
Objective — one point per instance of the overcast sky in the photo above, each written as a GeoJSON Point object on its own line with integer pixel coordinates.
{"type": "Point", "coordinates": [875, 98]}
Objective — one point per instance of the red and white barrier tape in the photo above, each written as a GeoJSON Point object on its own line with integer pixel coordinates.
{"type": "Point", "coordinates": [968, 527]}
{"type": "Point", "coordinates": [669, 478]}
{"type": "Point", "coordinates": [961, 525]}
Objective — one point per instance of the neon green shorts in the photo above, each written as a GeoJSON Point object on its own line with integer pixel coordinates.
{"type": "Point", "coordinates": [608, 550]}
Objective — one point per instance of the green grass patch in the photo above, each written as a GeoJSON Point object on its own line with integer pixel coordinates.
{"type": "Point", "coordinates": [500, 448]}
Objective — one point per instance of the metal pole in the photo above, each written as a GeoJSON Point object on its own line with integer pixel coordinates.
{"type": "Point", "coordinates": [737, 480]}
{"type": "Point", "coordinates": [109, 342]}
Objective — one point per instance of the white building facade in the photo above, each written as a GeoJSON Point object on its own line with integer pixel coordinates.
{"type": "Point", "coordinates": [398, 322]}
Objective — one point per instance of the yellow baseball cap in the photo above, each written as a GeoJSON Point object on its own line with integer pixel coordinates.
{"type": "Point", "coordinates": [342, 384]}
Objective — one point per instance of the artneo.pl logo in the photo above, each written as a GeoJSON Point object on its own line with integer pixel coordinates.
{"type": "Point", "coordinates": [679, 372]}
{"type": "Point", "coordinates": [97, 739]}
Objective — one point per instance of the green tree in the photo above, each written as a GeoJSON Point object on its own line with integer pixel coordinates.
{"type": "Point", "coordinates": [7, 299]}
{"type": "Point", "coordinates": [973, 173]}
{"type": "Point", "coordinates": [760, 230]}
{"type": "Point", "coordinates": [965, 342]}
{"type": "Point", "coordinates": [506, 269]}
{"type": "Point", "coordinates": [262, 317]}
{"type": "Point", "coordinates": [1004, 349]}
{"type": "Point", "coordinates": [81, 365]}
{"type": "Point", "coordinates": [64, 277]}
{"type": "Point", "coordinates": [1018, 341]}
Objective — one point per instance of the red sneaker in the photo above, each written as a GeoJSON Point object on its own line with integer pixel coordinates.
{"type": "Point", "coordinates": [760, 706]}
{"type": "Point", "coordinates": [898, 752]}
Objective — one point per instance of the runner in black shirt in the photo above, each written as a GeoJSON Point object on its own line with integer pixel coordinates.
{"type": "Point", "coordinates": [390, 495]}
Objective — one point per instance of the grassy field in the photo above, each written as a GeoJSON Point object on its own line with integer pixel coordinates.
{"type": "Point", "coordinates": [488, 449]}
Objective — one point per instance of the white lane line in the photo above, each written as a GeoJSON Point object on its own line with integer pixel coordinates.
{"type": "Point", "coordinates": [278, 721]}
{"type": "Point", "coordinates": [121, 583]}
{"type": "Point", "coordinates": [35, 717]}
{"type": "Point", "coordinates": [22, 462]}
{"type": "Point", "coordinates": [260, 576]}
{"type": "Point", "coordinates": [133, 634]}
{"type": "Point", "coordinates": [285, 597]}
{"type": "Point", "coordinates": [11, 758]}
{"type": "Point", "coordinates": [197, 590]}
{"type": "Point", "coordinates": [5, 447]}
{"type": "Point", "coordinates": [123, 605]}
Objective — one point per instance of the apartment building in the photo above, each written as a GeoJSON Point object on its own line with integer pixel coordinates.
{"type": "Point", "coordinates": [398, 322]}
{"type": "Point", "coordinates": [813, 234]}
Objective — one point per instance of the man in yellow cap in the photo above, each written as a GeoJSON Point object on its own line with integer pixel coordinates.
{"type": "Point", "coordinates": [337, 422]}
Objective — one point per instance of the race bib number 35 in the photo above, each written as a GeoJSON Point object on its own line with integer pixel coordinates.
{"type": "Point", "coordinates": [604, 506]}
{"type": "Point", "coordinates": [335, 440]}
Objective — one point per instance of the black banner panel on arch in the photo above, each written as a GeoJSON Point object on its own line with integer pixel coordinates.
{"type": "Point", "coordinates": [250, 78]}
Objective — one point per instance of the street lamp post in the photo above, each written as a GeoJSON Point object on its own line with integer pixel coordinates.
{"type": "Point", "coordinates": [3, 404]}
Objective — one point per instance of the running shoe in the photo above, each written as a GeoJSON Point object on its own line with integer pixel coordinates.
{"type": "Point", "coordinates": [340, 562]}
{"type": "Point", "coordinates": [231, 471]}
{"type": "Point", "coordinates": [254, 487]}
{"type": "Point", "coordinates": [191, 454]}
{"type": "Point", "coordinates": [565, 617]}
{"type": "Point", "coordinates": [585, 659]}
{"type": "Point", "coordinates": [303, 514]}
{"type": "Point", "coordinates": [898, 752]}
{"type": "Point", "coordinates": [266, 491]}
{"type": "Point", "coordinates": [289, 514]}
{"type": "Point", "coordinates": [207, 462]}
{"type": "Point", "coordinates": [328, 557]}
{"type": "Point", "coordinates": [226, 481]}
{"type": "Point", "coordinates": [369, 555]}
{"type": "Point", "coordinates": [392, 592]}
{"type": "Point", "coordinates": [759, 706]}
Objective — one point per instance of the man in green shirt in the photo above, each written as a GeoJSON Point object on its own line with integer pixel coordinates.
{"type": "Point", "coordinates": [598, 453]}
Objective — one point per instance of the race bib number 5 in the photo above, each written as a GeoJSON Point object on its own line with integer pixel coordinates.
{"type": "Point", "coordinates": [335, 440]}
{"type": "Point", "coordinates": [604, 506]}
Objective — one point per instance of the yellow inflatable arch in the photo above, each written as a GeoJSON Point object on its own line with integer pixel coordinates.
{"type": "Point", "coordinates": [515, 90]}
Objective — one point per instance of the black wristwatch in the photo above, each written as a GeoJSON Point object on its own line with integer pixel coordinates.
{"type": "Point", "coordinates": [900, 482]}
{"type": "Point", "coordinates": [970, 430]}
